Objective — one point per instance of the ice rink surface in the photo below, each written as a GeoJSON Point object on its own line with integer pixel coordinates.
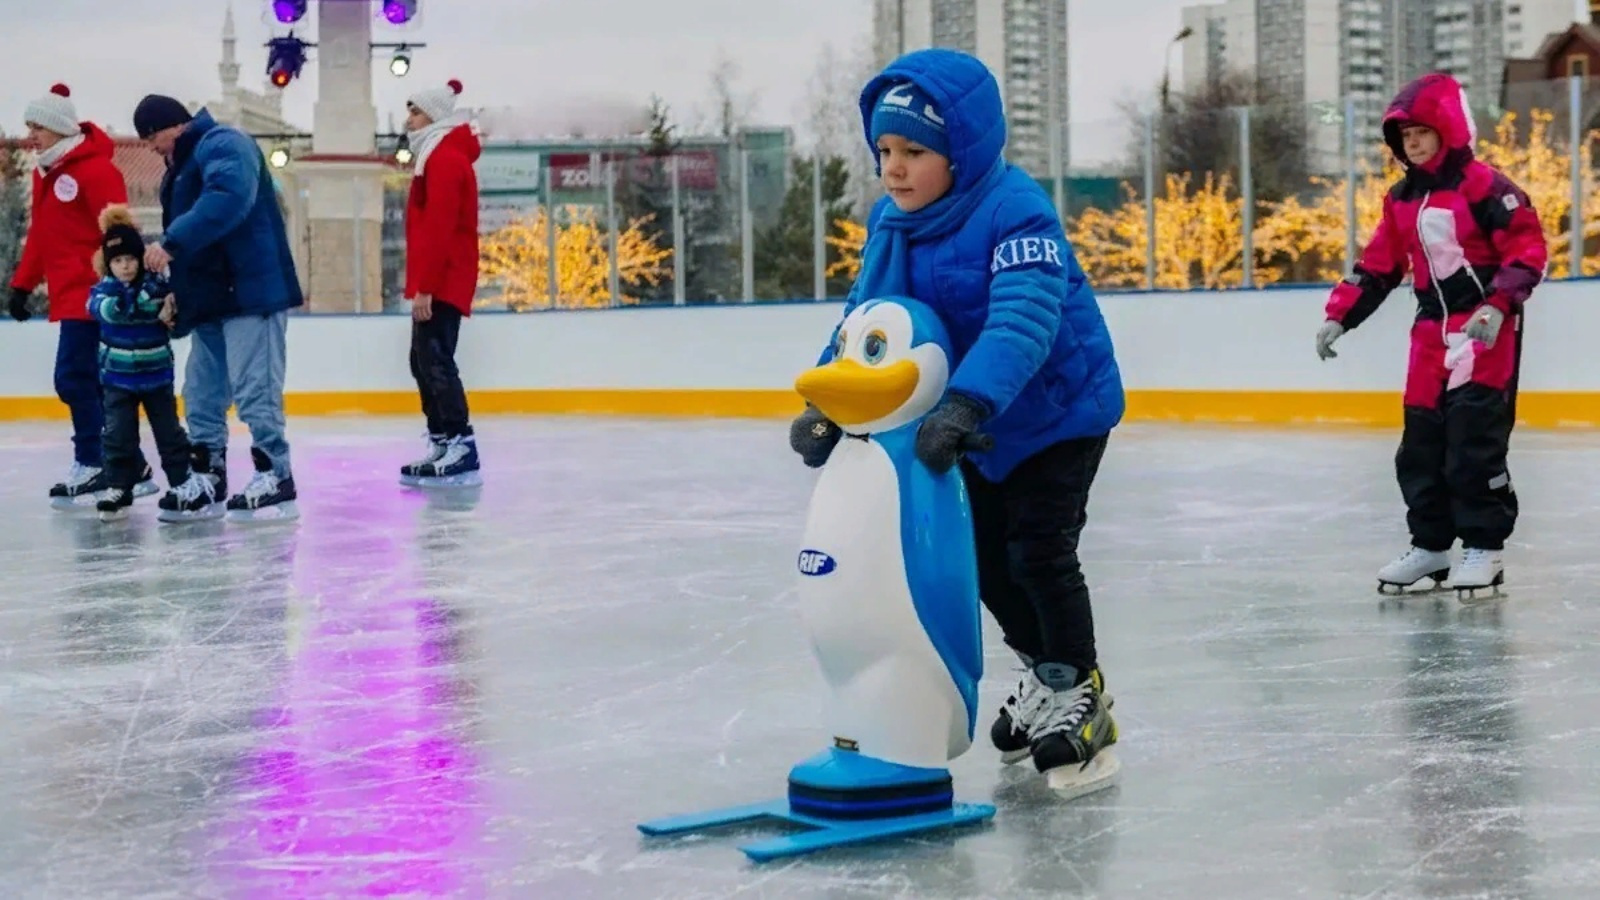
{"type": "Point", "coordinates": [416, 696]}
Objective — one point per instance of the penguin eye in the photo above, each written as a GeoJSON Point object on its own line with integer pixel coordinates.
{"type": "Point", "coordinates": [874, 347]}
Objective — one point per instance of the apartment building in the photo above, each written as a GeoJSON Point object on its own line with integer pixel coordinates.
{"type": "Point", "coordinates": [1024, 42]}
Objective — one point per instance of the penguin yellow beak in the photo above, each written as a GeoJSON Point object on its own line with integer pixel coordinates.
{"type": "Point", "coordinates": [852, 394]}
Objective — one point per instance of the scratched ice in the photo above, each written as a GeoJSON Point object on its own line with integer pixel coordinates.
{"type": "Point", "coordinates": [400, 696]}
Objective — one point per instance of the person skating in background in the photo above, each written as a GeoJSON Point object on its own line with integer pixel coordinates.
{"type": "Point", "coordinates": [441, 278]}
{"type": "Point", "coordinates": [1476, 249]}
{"type": "Point", "coordinates": [74, 180]}
{"type": "Point", "coordinates": [134, 309]}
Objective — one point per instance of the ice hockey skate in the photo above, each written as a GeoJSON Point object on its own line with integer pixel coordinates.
{"type": "Point", "coordinates": [114, 504]}
{"type": "Point", "coordinates": [1478, 576]}
{"type": "Point", "coordinates": [1413, 566]}
{"type": "Point", "coordinates": [455, 466]}
{"type": "Point", "coordinates": [267, 498]}
{"type": "Point", "coordinates": [1009, 733]}
{"type": "Point", "coordinates": [200, 498]}
{"type": "Point", "coordinates": [411, 473]}
{"type": "Point", "coordinates": [80, 489]}
{"type": "Point", "coordinates": [1072, 736]}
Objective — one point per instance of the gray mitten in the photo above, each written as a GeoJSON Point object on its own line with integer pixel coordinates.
{"type": "Point", "coordinates": [1484, 325]}
{"type": "Point", "coordinates": [813, 436]}
{"type": "Point", "coordinates": [1326, 335]}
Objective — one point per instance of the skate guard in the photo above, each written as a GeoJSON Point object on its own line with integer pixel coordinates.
{"type": "Point", "coordinates": [889, 596]}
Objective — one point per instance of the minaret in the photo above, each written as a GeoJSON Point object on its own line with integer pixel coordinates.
{"type": "Point", "coordinates": [228, 70]}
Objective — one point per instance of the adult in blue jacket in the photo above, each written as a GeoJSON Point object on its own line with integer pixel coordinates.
{"type": "Point", "coordinates": [979, 241]}
{"type": "Point", "coordinates": [227, 251]}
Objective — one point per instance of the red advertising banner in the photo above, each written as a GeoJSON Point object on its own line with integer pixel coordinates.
{"type": "Point", "coordinates": [697, 169]}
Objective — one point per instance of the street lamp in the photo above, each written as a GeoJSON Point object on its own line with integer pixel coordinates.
{"type": "Point", "coordinates": [1166, 73]}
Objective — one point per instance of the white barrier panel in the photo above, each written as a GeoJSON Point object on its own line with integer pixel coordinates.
{"type": "Point", "coordinates": [1227, 355]}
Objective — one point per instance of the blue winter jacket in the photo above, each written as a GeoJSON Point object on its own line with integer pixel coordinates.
{"type": "Point", "coordinates": [223, 227]}
{"type": "Point", "coordinates": [1030, 343]}
{"type": "Point", "coordinates": [135, 351]}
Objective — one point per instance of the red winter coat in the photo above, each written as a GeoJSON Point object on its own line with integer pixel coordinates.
{"type": "Point", "coordinates": [1467, 233]}
{"type": "Point", "coordinates": [64, 230]}
{"type": "Point", "coordinates": [442, 223]}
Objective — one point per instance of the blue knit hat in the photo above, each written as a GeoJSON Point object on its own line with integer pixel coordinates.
{"type": "Point", "coordinates": [904, 109]}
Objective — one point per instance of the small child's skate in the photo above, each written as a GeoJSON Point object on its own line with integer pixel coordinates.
{"type": "Point", "coordinates": [201, 497]}
{"type": "Point", "coordinates": [1072, 737]}
{"type": "Point", "coordinates": [1412, 567]}
{"type": "Point", "coordinates": [114, 504]}
{"type": "Point", "coordinates": [1478, 576]}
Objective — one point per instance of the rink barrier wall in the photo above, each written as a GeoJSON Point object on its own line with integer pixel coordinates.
{"type": "Point", "coordinates": [1219, 357]}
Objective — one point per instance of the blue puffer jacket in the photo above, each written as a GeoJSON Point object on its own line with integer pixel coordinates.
{"type": "Point", "coordinates": [229, 246]}
{"type": "Point", "coordinates": [1029, 339]}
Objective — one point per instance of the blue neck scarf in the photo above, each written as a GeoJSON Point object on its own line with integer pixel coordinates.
{"type": "Point", "coordinates": [886, 260]}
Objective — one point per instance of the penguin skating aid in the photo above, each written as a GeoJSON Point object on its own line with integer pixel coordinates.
{"type": "Point", "coordinates": [889, 595]}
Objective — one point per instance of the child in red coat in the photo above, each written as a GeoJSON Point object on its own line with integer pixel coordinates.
{"type": "Point", "coordinates": [441, 278]}
{"type": "Point", "coordinates": [1476, 249]}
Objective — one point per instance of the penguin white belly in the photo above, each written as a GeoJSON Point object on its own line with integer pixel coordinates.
{"type": "Point", "coordinates": [890, 694]}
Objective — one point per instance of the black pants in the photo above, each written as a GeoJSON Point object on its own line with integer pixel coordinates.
{"type": "Point", "coordinates": [433, 364]}
{"type": "Point", "coordinates": [1026, 529]}
{"type": "Point", "coordinates": [124, 464]}
{"type": "Point", "coordinates": [1452, 469]}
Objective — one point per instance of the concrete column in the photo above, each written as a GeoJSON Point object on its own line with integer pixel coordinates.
{"type": "Point", "coordinates": [343, 176]}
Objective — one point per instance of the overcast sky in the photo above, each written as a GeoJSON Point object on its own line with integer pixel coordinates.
{"type": "Point", "coordinates": [544, 56]}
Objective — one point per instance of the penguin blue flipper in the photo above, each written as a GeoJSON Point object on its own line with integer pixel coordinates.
{"type": "Point", "coordinates": [941, 563]}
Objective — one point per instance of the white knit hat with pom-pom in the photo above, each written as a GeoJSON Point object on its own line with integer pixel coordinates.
{"type": "Point", "coordinates": [438, 104]}
{"type": "Point", "coordinates": [54, 112]}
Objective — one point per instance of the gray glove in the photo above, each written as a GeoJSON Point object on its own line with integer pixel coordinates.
{"type": "Point", "coordinates": [1484, 325]}
{"type": "Point", "coordinates": [813, 436]}
{"type": "Point", "coordinates": [1326, 335]}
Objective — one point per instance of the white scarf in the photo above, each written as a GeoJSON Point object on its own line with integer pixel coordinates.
{"type": "Point", "coordinates": [425, 140]}
{"type": "Point", "coordinates": [48, 158]}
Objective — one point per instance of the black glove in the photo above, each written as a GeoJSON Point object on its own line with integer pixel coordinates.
{"type": "Point", "coordinates": [19, 304]}
{"type": "Point", "coordinates": [813, 435]}
{"type": "Point", "coordinates": [945, 432]}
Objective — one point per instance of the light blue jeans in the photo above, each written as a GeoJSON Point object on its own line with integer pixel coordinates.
{"type": "Point", "coordinates": [239, 362]}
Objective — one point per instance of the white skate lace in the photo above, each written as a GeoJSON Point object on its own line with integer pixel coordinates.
{"type": "Point", "coordinates": [81, 474]}
{"type": "Point", "coordinates": [1027, 700]}
{"type": "Point", "coordinates": [1063, 710]}
{"type": "Point", "coordinates": [190, 490]}
{"type": "Point", "coordinates": [1410, 556]}
{"type": "Point", "coordinates": [454, 452]}
{"type": "Point", "coordinates": [261, 486]}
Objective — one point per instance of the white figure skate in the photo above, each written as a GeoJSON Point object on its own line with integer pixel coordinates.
{"type": "Point", "coordinates": [1478, 576]}
{"type": "Point", "coordinates": [1411, 567]}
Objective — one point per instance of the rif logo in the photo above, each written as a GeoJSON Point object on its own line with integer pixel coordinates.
{"type": "Point", "coordinates": [815, 562]}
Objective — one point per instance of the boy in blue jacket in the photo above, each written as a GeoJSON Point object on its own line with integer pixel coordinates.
{"type": "Point", "coordinates": [979, 241]}
{"type": "Point", "coordinates": [134, 309]}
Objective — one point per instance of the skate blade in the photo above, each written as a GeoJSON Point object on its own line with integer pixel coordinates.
{"type": "Point", "coordinates": [1072, 782]}
{"type": "Point", "coordinates": [80, 503]}
{"type": "Point", "coordinates": [114, 515]}
{"type": "Point", "coordinates": [178, 517]}
{"type": "Point", "coordinates": [1478, 594]}
{"type": "Point", "coordinates": [286, 511]}
{"type": "Point", "coordinates": [145, 489]}
{"type": "Point", "coordinates": [1396, 589]}
{"type": "Point", "coordinates": [464, 480]}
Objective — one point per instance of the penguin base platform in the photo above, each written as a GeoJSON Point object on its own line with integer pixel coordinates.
{"type": "Point", "coordinates": [841, 798]}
